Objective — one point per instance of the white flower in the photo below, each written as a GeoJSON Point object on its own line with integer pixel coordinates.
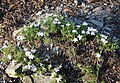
{"type": "Point", "coordinates": [33, 68]}
{"type": "Point", "coordinates": [90, 29]}
{"type": "Point", "coordinates": [74, 31]}
{"type": "Point", "coordinates": [27, 66]}
{"type": "Point", "coordinates": [40, 34]}
{"type": "Point", "coordinates": [56, 69]}
{"type": "Point", "coordinates": [85, 23]}
{"type": "Point", "coordinates": [9, 57]}
{"type": "Point", "coordinates": [98, 55]}
{"type": "Point", "coordinates": [31, 56]}
{"type": "Point", "coordinates": [25, 49]}
{"type": "Point", "coordinates": [46, 59]}
{"type": "Point", "coordinates": [75, 39]}
{"type": "Point", "coordinates": [76, 2]}
{"type": "Point", "coordinates": [83, 31]}
{"type": "Point", "coordinates": [55, 15]}
{"type": "Point", "coordinates": [104, 36]}
{"type": "Point", "coordinates": [88, 32]}
{"type": "Point", "coordinates": [78, 26]}
{"type": "Point", "coordinates": [6, 41]}
{"type": "Point", "coordinates": [59, 22]}
{"type": "Point", "coordinates": [62, 25]}
{"type": "Point", "coordinates": [27, 53]}
{"type": "Point", "coordinates": [33, 50]}
{"type": "Point", "coordinates": [25, 59]}
{"type": "Point", "coordinates": [58, 79]}
{"type": "Point", "coordinates": [104, 41]}
{"type": "Point", "coordinates": [13, 63]}
{"type": "Point", "coordinates": [56, 21]}
{"type": "Point", "coordinates": [49, 14]}
{"type": "Point", "coordinates": [44, 21]}
{"type": "Point", "coordinates": [95, 30]}
{"type": "Point", "coordinates": [20, 37]}
{"type": "Point", "coordinates": [79, 37]}
{"type": "Point", "coordinates": [68, 24]}
{"type": "Point", "coordinates": [92, 33]}
{"type": "Point", "coordinates": [41, 64]}
{"type": "Point", "coordinates": [38, 13]}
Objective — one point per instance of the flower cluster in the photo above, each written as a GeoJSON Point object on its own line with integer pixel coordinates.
{"type": "Point", "coordinates": [56, 21]}
{"type": "Point", "coordinates": [30, 67]}
{"type": "Point", "coordinates": [41, 34]}
{"type": "Point", "coordinates": [104, 39]}
{"type": "Point", "coordinates": [79, 37]}
{"type": "Point", "coordinates": [29, 55]}
{"type": "Point", "coordinates": [91, 31]}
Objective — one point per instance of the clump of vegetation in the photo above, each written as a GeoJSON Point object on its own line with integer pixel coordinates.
{"type": "Point", "coordinates": [78, 41]}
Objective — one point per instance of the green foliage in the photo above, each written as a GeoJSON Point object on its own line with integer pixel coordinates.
{"type": "Point", "coordinates": [55, 28]}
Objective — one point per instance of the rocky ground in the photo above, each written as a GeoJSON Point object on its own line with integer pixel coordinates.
{"type": "Point", "coordinates": [103, 15]}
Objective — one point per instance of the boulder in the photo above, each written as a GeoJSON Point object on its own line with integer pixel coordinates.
{"type": "Point", "coordinates": [13, 69]}
{"type": "Point", "coordinates": [37, 79]}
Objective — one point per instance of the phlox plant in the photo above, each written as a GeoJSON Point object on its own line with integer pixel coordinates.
{"type": "Point", "coordinates": [55, 27]}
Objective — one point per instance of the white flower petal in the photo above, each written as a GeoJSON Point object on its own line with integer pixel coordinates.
{"type": "Point", "coordinates": [92, 33]}
{"type": "Point", "coordinates": [31, 56]}
{"type": "Point", "coordinates": [68, 24]}
{"type": "Point", "coordinates": [56, 19]}
{"type": "Point", "coordinates": [74, 31]}
{"type": "Point", "coordinates": [104, 36]}
{"type": "Point", "coordinates": [33, 68]}
{"type": "Point", "coordinates": [27, 66]}
{"type": "Point", "coordinates": [75, 39]}
{"type": "Point", "coordinates": [85, 23]}
{"type": "Point", "coordinates": [25, 49]}
{"type": "Point", "coordinates": [79, 37]}
{"type": "Point", "coordinates": [41, 34]}
{"type": "Point", "coordinates": [83, 31]}
{"type": "Point", "coordinates": [78, 26]}
{"type": "Point", "coordinates": [33, 50]}
{"type": "Point", "coordinates": [9, 57]}
{"type": "Point", "coordinates": [58, 80]}
{"type": "Point", "coordinates": [27, 53]}
{"type": "Point", "coordinates": [62, 25]}
{"type": "Point", "coordinates": [98, 55]}
{"type": "Point", "coordinates": [88, 32]}
{"type": "Point", "coordinates": [104, 40]}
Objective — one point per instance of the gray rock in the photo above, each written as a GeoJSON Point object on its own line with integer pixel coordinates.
{"type": "Point", "coordinates": [16, 32]}
{"type": "Point", "coordinates": [42, 79]}
{"type": "Point", "coordinates": [96, 22]}
{"type": "Point", "coordinates": [37, 79]}
{"type": "Point", "coordinates": [108, 29]}
{"type": "Point", "coordinates": [26, 79]}
{"type": "Point", "coordinates": [97, 10]}
{"type": "Point", "coordinates": [13, 69]}
{"type": "Point", "coordinates": [92, 1]}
